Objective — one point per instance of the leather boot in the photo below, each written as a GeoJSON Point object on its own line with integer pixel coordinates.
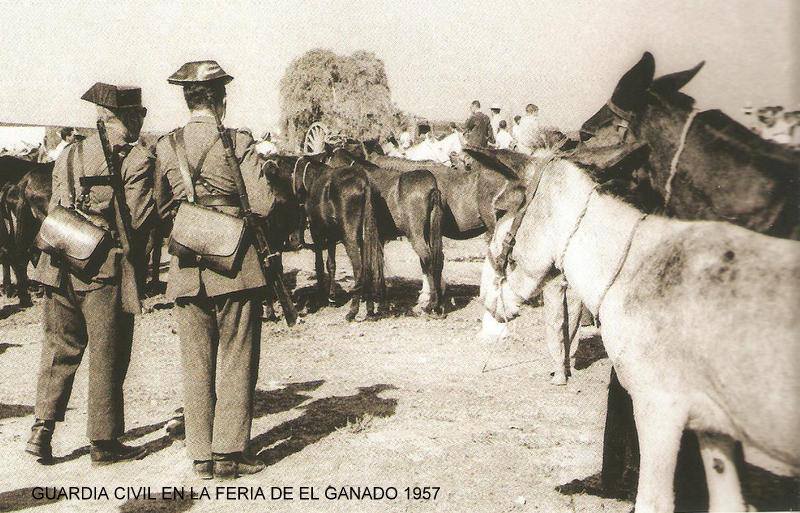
{"type": "Point", "coordinates": [105, 452]}
{"type": "Point", "coordinates": [204, 469]}
{"type": "Point", "coordinates": [39, 444]}
{"type": "Point", "coordinates": [233, 465]}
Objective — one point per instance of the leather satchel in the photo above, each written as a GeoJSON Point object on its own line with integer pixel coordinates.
{"type": "Point", "coordinates": [214, 239]}
{"type": "Point", "coordinates": [70, 237]}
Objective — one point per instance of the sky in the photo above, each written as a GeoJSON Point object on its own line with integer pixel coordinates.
{"type": "Point", "coordinates": [564, 55]}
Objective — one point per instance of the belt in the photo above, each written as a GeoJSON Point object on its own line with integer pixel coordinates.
{"type": "Point", "coordinates": [219, 200]}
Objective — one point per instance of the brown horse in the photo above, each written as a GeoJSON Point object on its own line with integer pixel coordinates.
{"type": "Point", "coordinates": [338, 203]}
{"type": "Point", "coordinates": [692, 165]}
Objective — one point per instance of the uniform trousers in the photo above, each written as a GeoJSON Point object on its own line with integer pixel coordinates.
{"type": "Point", "coordinates": [74, 321]}
{"type": "Point", "coordinates": [220, 341]}
{"type": "Point", "coordinates": [562, 316]}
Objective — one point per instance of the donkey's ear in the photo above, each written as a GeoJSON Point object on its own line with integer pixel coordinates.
{"type": "Point", "coordinates": [675, 81]}
{"type": "Point", "coordinates": [630, 89]}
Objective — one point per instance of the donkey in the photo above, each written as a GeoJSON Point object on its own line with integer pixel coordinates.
{"type": "Point", "coordinates": [339, 205]}
{"type": "Point", "coordinates": [655, 283]}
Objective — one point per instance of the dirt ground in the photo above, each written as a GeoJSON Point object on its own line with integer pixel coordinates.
{"type": "Point", "coordinates": [401, 402]}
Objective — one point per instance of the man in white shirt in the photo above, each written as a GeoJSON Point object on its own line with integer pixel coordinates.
{"type": "Point", "coordinates": [68, 136]}
{"type": "Point", "coordinates": [266, 147]}
{"type": "Point", "coordinates": [502, 140]}
{"type": "Point", "coordinates": [528, 129]}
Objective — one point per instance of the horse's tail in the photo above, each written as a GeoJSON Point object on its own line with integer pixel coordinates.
{"type": "Point", "coordinates": [434, 240]}
{"type": "Point", "coordinates": [371, 250]}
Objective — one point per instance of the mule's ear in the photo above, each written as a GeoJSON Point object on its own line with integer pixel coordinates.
{"type": "Point", "coordinates": [631, 87]}
{"type": "Point", "coordinates": [675, 81]}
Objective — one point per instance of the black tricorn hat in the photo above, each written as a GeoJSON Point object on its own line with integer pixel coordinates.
{"type": "Point", "coordinates": [199, 71]}
{"type": "Point", "coordinates": [114, 97]}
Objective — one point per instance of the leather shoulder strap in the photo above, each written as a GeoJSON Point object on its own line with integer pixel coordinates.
{"type": "Point", "coordinates": [76, 154]}
{"type": "Point", "coordinates": [178, 146]}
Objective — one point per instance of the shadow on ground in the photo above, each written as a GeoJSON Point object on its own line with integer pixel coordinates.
{"type": "Point", "coordinates": [157, 504]}
{"type": "Point", "coordinates": [14, 410]}
{"type": "Point", "coordinates": [22, 498]}
{"type": "Point", "coordinates": [321, 418]}
{"type": "Point", "coordinates": [761, 488]}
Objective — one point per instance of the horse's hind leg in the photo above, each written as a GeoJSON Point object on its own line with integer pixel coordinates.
{"type": "Point", "coordinates": [331, 265]}
{"type": "Point", "coordinates": [724, 489]}
{"type": "Point", "coordinates": [354, 253]}
{"type": "Point", "coordinates": [8, 290]}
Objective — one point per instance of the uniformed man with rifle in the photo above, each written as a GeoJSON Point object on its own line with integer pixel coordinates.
{"type": "Point", "coordinates": [217, 278]}
{"type": "Point", "coordinates": [101, 185]}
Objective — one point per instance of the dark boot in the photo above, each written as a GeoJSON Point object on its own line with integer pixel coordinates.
{"type": "Point", "coordinates": [204, 469]}
{"type": "Point", "coordinates": [231, 466]}
{"type": "Point", "coordinates": [105, 452]}
{"type": "Point", "coordinates": [39, 443]}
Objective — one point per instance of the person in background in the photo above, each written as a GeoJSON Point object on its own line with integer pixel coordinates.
{"type": "Point", "coordinates": [776, 127]}
{"type": "Point", "coordinates": [515, 130]}
{"type": "Point", "coordinates": [495, 118]}
{"type": "Point", "coordinates": [266, 147]}
{"type": "Point", "coordinates": [528, 129]}
{"type": "Point", "coordinates": [503, 139]}
{"type": "Point", "coordinates": [477, 129]}
{"type": "Point", "coordinates": [68, 136]}
{"type": "Point", "coordinates": [404, 141]}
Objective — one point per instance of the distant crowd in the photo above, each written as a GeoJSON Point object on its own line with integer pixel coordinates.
{"type": "Point", "coordinates": [775, 124]}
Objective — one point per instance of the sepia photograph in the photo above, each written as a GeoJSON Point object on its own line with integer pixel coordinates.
{"type": "Point", "coordinates": [400, 256]}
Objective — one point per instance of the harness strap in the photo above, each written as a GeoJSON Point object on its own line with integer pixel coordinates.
{"type": "Point", "coordinates": [624, 114]}
{"type": "Point", "coordinates": [673, 167]}
{"type": "Point", "coordinates": [501, 261]}
{"type": "Point", "coordinates": [71, 175]}
{"type": "Point", "coordinates": [179, 147]}
{"type": "Point", "coordinates": [621, 263]}
{"type": "Point", "coordinates": [560, 263]}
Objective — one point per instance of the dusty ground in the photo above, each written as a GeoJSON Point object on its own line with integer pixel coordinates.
{"type": "Point", "coordinates": [401, 402]}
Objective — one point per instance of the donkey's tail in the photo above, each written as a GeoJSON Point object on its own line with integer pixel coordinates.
{"type": "Point", "coordinates": [371, 250]}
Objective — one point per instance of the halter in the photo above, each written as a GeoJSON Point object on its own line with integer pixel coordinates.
{"type": "Point", "coordinates": [500, 262]}
{"type": "Point", "coordinates": [673, 167]}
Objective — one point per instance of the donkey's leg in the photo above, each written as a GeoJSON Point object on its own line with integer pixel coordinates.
{"type": "Point", "coordinates": [319, 270]}
{"type": "Point", "coordinates": [724, 488]}
{"type": "Point", "coordinates": [354, 253]}
{"type": "Point", "coordinates": [21, 271]}
{"type": "Point", "coordinates": [331, 266]}
{"type": "Point", "coordinates": [660, 420]}
{"type": "Point", "coordinates": [7, 288]}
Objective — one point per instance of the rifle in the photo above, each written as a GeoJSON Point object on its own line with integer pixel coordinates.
{"type": "Point", "coordinates": [128, 283]}
{"type": "Point", "coordinates": [258, 229]}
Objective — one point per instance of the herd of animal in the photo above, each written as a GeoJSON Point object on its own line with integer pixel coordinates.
{"type": "Point", "coordinates": [677, 228]}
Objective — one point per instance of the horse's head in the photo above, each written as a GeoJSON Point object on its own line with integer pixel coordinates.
{"type": "Point", "coordinates": [635, 98]}
{"type": "Point", "coordinates": [287, 217]}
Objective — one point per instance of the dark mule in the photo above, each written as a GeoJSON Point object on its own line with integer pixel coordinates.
{"type": "Point", "coordinates": [24, 206]}
{"type": "Point", "coordinates": [692, 165]}
{"type": "Point", "coordinates": [703, 165]}
{"type": "Point", "coordinates": [339, 206]}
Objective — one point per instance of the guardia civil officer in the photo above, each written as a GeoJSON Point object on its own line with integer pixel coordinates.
{"type": "Point", "coordinates": [84, 311]}
{"type": "Point", "coordinates": [218, 314]}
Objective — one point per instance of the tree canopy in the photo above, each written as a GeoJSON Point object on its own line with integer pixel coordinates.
{"type": "Point", "coordinates": [349, 94]}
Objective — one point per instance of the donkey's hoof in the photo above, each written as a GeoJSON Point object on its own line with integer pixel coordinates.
{"type": "Point", "coordinates": [350, 317]}
{"type": "Point", "coordinates": [558, 380]}
{"type": "Point", "coordinates": [436, 313]}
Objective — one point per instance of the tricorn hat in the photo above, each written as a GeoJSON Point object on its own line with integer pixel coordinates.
{"type": "Point", "coordinates": [114, 97]}
{"type": "Point", "coordinates": [199, 71]}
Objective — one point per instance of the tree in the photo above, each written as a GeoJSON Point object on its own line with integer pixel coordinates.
{"type": "Point", "coordinates": [349, 94]}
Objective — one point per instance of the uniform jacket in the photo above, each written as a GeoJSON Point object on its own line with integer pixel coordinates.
{"type": "Point", "coordinates": [478, 130]}
{"type": "Point", "coordinates": [88, 160]}
{"type": "Point", "coordinates": [186, 278]}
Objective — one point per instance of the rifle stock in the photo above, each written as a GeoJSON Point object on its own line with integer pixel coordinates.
{"type": "Point", "coordinates": [256, 227]}
{"type": "Point", "coordinates": [129, 284]}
